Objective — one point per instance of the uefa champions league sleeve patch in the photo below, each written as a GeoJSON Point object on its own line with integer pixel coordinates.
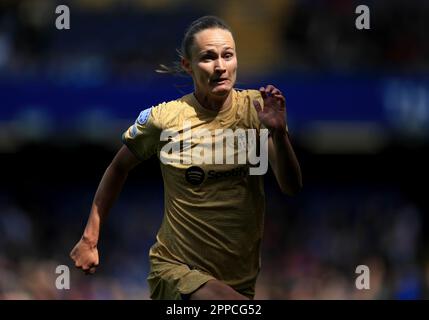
{"type": "Point", "coordinates": [144, 116]}
{"type": "Point", "coordinates": [133, 131]}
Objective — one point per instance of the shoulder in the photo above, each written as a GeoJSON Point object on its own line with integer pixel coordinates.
{"type": "Point", "coordinates": [169, 111]}
{"type": "Point", "coordinates": [245, 98]}
{"type": "Point", "coordinates": [248, 94]}
{"type": "Point", "coordinates": [174, 105]}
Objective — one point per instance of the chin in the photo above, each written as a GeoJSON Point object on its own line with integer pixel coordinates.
{"type": "Point", "coordinates": [222, 90]}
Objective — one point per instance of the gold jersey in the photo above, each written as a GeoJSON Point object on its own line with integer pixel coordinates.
{"type": "Point", "coordinates": [214, 212]}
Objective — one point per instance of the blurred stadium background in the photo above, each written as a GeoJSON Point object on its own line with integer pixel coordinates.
{"type": "Point", "coordinates": [358, 110]}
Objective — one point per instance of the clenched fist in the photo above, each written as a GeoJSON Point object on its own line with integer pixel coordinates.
{"type": "Point", "coordinates": [85, 256]}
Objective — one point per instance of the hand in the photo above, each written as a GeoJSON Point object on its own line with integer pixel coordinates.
{"type": "Point", "coordinates": [273, 116]}
{"type": "Point", "coordinates": [85, 256]}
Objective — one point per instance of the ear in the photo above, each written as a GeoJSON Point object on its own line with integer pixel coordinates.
{"type": "Point", "coordinates": [186, 65]}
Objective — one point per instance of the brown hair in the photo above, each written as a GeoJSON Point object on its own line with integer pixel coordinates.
{"type": "Point", "coordinates": [203, 23]}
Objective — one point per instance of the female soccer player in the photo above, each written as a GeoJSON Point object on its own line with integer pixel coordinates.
{"type": "Point", "coordinates": [208, 246]}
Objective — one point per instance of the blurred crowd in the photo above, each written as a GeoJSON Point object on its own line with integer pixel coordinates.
{"type": "Point", "coordinates": [283, 35]}
{"type": "Point", "coordinates": [312, 245]}
{"type": "Point", "coordinates": [324, 240]}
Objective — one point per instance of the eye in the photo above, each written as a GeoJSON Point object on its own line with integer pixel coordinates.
{"type": "Point", "coordinates": [228, 55]}
{"type": "Point", "coordinates": [208, 57]}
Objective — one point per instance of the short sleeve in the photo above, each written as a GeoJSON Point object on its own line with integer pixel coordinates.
{"type": "Point", "coordinates": [142, 138]}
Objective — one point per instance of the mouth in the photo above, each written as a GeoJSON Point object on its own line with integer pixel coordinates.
{"type": "Point", "coordinates": [219, 80]}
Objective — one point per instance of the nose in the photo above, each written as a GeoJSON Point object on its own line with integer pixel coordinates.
{"type": "Point", "coordinates": [220, 65]}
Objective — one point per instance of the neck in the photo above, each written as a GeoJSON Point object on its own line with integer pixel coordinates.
{"type": "Point", "coordinates": [214, 103]}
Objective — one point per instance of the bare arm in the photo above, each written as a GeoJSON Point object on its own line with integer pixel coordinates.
{"type": "Point", "coordinates": [108, 191]}
{"type": "Point", "coordinates": [284, 163]}
{"type": "Point", "coordinates": [281, 155]}
{"type": "Point", "coordinates": [85, 254]}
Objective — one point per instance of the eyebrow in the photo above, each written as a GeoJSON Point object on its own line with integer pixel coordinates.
{"type": "Point", "coordinates": [211, 50]}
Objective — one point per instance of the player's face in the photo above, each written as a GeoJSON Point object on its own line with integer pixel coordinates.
{"type": "Point", "coordinates": [213, 64]}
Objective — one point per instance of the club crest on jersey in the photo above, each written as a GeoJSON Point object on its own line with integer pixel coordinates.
{"type": "Point", "coordinates": [144, 116]}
